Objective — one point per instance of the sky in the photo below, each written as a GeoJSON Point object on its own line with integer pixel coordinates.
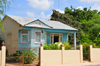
{"type": "Point", "coordinates": [42, 9]}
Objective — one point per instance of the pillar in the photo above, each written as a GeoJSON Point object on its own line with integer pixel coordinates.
{"type": "Point", "coordinates": [75, 41]}
{"type": "Point", "coordinates": [3, 51]}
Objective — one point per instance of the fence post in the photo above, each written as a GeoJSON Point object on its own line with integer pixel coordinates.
{"type": "Point", "coordinates": [3, 54]}
{"type": "Point", "coordinates": [23, 56]}
{"type": "Point", "coordinates": [41, 56]}
{"type": "Point", "coordinates": [81, 53]}
{"type": "Point", "coordinates": [90, 52]}
{"type": "Point", "coordinates": [63, 48]}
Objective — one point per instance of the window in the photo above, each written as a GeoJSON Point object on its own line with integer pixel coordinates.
{"type": "Point", "coordinates": [37, 23]}
{"type": "Point", "coordinates": [24, 36]}
{"type": "Point", "coordinates": [37, 36]}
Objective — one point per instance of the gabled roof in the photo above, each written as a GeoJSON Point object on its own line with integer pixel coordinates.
{"type": "Point", "coordinates": [54, 24]}
{"type": "Point", "coordinates": [21, 20]}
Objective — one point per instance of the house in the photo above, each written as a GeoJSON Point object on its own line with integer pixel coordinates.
{"type": "Point", "coordinates": [27, 32]}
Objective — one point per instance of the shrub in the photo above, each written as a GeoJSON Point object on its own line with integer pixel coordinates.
{"type": "Point", "coordinates": [67, 46]}
{"type": "Point", "coordinates": [30, 56]}
{"type": "Point", "coordinates": [57, 46]}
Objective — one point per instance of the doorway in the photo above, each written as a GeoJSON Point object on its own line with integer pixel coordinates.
{"type": "Point", "coordinates": [56, 39]}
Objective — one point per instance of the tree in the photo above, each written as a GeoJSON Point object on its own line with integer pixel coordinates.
{"type": "Point", "coordinates": [4, 4]}
{"type": "Point", "coordinates": [87, 22]}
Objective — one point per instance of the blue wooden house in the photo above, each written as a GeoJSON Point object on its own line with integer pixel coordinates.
{"type": "Point", "coordinates": [27, 32]}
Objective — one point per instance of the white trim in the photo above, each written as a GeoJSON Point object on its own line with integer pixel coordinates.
{"type": "Point", "coordinates": [40, 36]}
{"type": "Point", "coordinates": [27, 38]}
{"type": "Point", "coordinates": [53, 37]}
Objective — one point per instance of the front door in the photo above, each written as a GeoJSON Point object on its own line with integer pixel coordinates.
{"type": "Point", "coordinates": [55, 37]}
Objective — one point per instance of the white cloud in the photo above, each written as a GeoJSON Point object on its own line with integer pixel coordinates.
{"type": "Point", "coordinates": [90, 1]}
{"type": "Point", "coordinates": [38, 16]}
{"type": "Point", "coordinates": [95, 7]}
{"type": "Point", "coordinates": [41, 4]}
{"type": "Point", "coordinates": [80, 8]}
{"type": "Point", "coordinates": [60, 10]}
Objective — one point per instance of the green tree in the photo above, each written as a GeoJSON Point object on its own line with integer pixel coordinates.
{"type": "Point", "coordinates": [87, 22]}
{"type": "Point", "coordinates": [4, 4]}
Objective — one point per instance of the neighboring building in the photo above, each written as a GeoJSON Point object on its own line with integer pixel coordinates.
{"type": "Point", "coordinates": [26, 32]}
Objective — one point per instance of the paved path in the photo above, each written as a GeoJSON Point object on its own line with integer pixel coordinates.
{"type": "Point", "coordinates": [80, 64]}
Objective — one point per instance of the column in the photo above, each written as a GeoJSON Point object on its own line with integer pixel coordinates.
{"type": "Point", "coordinates": [75, 41]}
{"type": "Point", "coordinates": [3, 55]}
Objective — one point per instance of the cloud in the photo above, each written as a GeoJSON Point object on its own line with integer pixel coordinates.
{"type": "Point", "coordinates": [41, 4]}
{"type": "Point", "coordinates": [60, 10]}
{"type": "Point", "coordinates": [80, 7]}
{"type": "Point", "coordinates": [90, 1]}
{"type": "Point", "coordinates": [38, 16]}
{"type": "Point", "coordinates": [95, 7]}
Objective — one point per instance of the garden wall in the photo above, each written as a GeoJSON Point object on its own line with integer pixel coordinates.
{"type": "Point", "coordinates": [2, 56]}
{"type": "Point", "coordinates": [54, 57]}
{"type": "Point", "coordinates": [95, 54]}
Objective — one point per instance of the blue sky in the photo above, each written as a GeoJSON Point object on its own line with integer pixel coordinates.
{"type": "Point", "coordinates": [42, 9]}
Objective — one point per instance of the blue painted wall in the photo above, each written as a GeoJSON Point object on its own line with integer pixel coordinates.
{"type": "Point", "coordinates": [19, 39]}
{"type": "Point", "coordinates": [31, 42]}
{"type": "Point", "coordinates": [32, 31]}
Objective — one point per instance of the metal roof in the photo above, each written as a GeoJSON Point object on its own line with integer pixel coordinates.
{"type": "Point", "coordinates": [21, 20]}
{"type": "Point", "coordinates": [54, 24]}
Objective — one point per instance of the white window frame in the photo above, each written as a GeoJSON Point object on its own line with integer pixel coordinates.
{"type": "Point", "coordinates": [35, 37]}
{"type": "Point", "coordinates": [25, 34]}
{"type": "Point", "coordinates": [53, 37]}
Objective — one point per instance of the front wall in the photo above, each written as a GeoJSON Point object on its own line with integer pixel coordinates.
{"type": "Point", "coordinates": [71, 56]}
{"type": "Point", "coordinates": [51, 57]}
{"type": "Point", "coordinates": [24, 44]}
{"type": "Point", "coordinates": [31, 42]}
{"type": "Point", "coordinates": [95, 55]}
{"type": "Point", "coordinates": [0, 57]}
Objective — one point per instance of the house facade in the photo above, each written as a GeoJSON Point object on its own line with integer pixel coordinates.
{"type": "Point", "coordinates": [26, 32]}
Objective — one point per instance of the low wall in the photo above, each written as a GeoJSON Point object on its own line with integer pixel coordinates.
{"type": "Point", "coordinates": [0, 57]}
{"type": "Point", "coordinates": [50, 56]}
{"type": "Point", "coordinates": [54, 57]}
{"type": "Point", "coordinates": [95, 54]}
{"type": "Point", "coordinates": [71, 56]}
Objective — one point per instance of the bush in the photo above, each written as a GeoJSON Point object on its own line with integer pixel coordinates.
{"type": "Point", "coordinates": [30, 56]}
{"type": "Point", "coordinates": [53, 46]}
{"type": "Point", "coordinates": [57, 46]}
{"type": "Point", "coordinates": [67, 46]}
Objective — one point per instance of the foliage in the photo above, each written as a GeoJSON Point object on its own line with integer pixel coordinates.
{"type": "Point", "coordinates": [57, 46]}
{"type": "Point", "coordinates": [1, 42]}
{"type": "Point", "coordinates": [86, 21]}
{"type": "Point", "coordinates": [13, 57]}
{"type": "Point", "coordinates": [4, 4]}
{"type": "Point", "coordinates": [53, 46]}
{"type": "Point", "coordinates": [30, 56]}
{"type": "Point", "coordinates": [67, 46]}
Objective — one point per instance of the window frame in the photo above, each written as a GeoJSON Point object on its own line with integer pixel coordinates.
{"type": "Point", "coordinates": [35, 37]}
{"type": "Point", "coordinates": [27, 37]}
